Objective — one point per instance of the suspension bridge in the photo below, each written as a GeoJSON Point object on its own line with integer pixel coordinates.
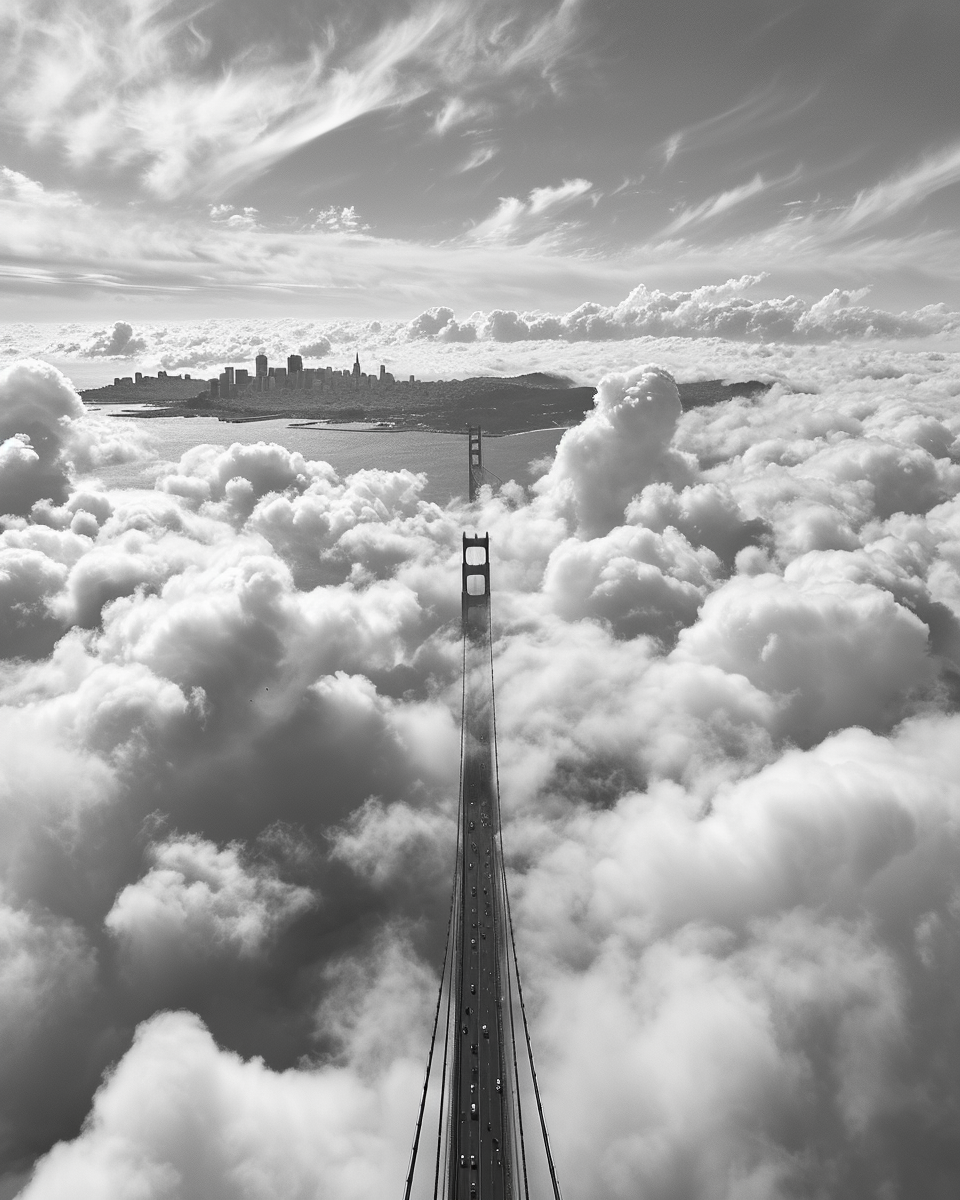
{"type": "Point", "coordinates": [480, 1110]}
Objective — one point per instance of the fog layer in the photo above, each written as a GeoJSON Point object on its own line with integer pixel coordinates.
{"type": "Point", "coordinates": [727, 646]}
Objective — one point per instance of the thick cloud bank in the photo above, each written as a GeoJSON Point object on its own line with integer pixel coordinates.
{"type": "Point", "coordinates": [728, 671]}
{"type": "Point", "coordinates": [643, 327]}
{"type": "Point", "coordinates": [711, 311]}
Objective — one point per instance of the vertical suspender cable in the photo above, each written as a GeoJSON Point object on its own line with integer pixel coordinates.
{"type": "Point", "coordinates": [454, 904]}
{"type": "Point", "coordinates": [426, 1080]}
{"type": "Point", "coordinates": [443, 972]}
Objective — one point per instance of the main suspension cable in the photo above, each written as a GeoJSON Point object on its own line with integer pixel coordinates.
{"type": "Point", "coordinates": [443, 1084]}
{"type": "Point", "coordinates": [516, 962]}
{"type": "Point", "coordinates": [533, 1069]}
{"type": "Point", "coordinates": [518, 1106]}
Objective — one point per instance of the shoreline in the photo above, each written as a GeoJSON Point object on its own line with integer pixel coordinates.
{"type": "Point", "coordinates": [321, 426]}
{"type": "Point", "coordinates": [499, 411]}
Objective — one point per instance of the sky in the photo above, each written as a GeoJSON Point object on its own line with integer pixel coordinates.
{"type": "Point", "coordinates": [373, 160]}
{"type": "Point", "coordinates": [726, 641]}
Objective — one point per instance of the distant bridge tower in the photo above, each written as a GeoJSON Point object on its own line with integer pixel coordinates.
{"type": "Point", "coordinates": [476, 461]}
{"type": "Point", "coordinates": [479, 475]}
{"type": "Point", "coordinates": [481, 1150]}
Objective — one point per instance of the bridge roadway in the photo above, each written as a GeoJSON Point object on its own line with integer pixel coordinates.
{"type": "Point", "coordinates": [481, 1095]}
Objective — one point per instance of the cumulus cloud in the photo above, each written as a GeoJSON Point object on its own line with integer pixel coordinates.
{"type": "Point", "coordinates": [440, 323]}
{"type": "Point", "coordinates": [624, 444]}
{"type": "Point", "coordinates": [339, 220]}
{"type": "Point", "coordinates": [839, 653]}
{"type": "Point", "coordinates": [727, 651]}
{"type": "Point", "coordinates": [179, 1113]}
{"type": "Point", "coordinates": [37, 407]}
{"type": "Point", "coordinates": [119, 342]}
{"type": "Point", "coordinates": [636, 581]}
{"type": "Point", "coordinates": [319, 348]}
{"type": "Point", "coordinates": [226, 214]}
{"type": "Point", "coordinates": [197, 900]}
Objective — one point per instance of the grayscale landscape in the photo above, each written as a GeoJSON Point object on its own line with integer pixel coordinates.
{"type": "Point", "coordinates": [694, 270]}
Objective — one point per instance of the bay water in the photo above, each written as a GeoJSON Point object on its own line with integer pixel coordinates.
{"type": "Point", "coordinates": [441, 456]}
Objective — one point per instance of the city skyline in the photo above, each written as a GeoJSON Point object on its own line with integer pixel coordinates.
{"type": "Point", "coordinates": [234, 379]}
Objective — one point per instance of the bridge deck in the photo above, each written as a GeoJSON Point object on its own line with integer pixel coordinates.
{"type": "Point", "coordinates": [481, 1092]}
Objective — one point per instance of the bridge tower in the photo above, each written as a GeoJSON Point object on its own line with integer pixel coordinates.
{"type": "Point", "coordinates": [482, 1114]}
{"type": "Point", "coordinates": [481, 1151]}
{"type": "Point", "coordinates": [476, 461]}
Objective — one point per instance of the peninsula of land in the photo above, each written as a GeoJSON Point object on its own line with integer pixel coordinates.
{"type": "Point", "coordinates": [515, 404]}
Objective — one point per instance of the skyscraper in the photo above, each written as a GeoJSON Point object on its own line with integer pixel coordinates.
{"type": "Point", "coordinates": [294, 364]}
{"type": "Point", "coordinates": [261, 364]}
